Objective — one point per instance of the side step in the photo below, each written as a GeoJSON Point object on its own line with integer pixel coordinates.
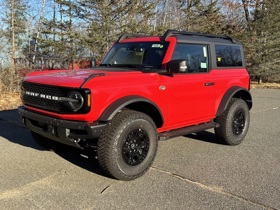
{"type": "Point", "coordinates": [187, 130]}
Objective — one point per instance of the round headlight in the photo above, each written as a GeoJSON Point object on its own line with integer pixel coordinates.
{"type": "Point", "coordinates": [76, 101]}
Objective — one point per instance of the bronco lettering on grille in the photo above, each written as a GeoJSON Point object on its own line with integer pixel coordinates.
{"type": "Point", "coordinates": [42, 95]}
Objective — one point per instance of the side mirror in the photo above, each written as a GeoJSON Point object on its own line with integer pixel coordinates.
{"type": "Point", "coordinates": [175, 66]}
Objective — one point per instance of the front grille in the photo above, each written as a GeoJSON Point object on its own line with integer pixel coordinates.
{"type": "Point", "coordinates": [44, 103]}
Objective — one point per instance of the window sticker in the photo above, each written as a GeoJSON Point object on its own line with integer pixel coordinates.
{"type": "Point", "coordinates": [203, 65]}
{"type": "Point", "coordinates": [219, 59]}
{"type": "Point", "coordinates": [205, 52]}
{"type": "Point", "coordinates": [157, 46]}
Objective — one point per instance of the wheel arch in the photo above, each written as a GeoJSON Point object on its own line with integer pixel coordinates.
{"type": "Point", "coordinates": [136, 103]}
{"type": "Point", "coordinates": [234, 92]}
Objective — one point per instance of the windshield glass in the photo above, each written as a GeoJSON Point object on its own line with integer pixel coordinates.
{"type": "Point", "coordinates": [136, 54]}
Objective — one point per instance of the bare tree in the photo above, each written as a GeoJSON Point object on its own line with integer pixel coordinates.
{"type": "Point", "coordinates": [38, 33]}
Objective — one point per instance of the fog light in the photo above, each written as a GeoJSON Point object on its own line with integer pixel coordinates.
{"type": "Point", "coordinates": [67, 132]}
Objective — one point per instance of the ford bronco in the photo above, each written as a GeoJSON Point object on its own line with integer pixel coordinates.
{"type": "Point", "coordinates": [147, 88]}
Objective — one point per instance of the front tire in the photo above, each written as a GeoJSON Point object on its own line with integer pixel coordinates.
{"type": "Point", "coordinates": [234, 122]}
{"type": "Point", "coordinates": [127, 147]}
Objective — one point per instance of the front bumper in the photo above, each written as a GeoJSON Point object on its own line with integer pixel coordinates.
{"type": "Point", "coordinates": [64, 131]}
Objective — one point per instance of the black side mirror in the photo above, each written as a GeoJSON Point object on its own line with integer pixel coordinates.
{"type": "Point", "coordinates": [175, 66]}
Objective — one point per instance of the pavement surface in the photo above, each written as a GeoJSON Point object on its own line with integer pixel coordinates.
{"type": "Point", "coordinates": [191, 172]}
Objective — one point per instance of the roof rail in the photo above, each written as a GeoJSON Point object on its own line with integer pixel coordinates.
{"type": "Point", "coordinates": [127, 35]}
{"type": "Point", "coordinates": [169, 33]}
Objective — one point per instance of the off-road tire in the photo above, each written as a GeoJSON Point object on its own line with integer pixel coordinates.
{"type": "Point", "coordinates": [127, 147]}
{"type": "Point", "coordinates": [44, 142]}
{"type": "Point", "coordinates": [234, 122]}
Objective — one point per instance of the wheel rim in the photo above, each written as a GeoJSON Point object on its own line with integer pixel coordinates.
{"type": "Point", "coordinates": [135, 147]}
{"type": "Point", "coordinates": [238, 123]}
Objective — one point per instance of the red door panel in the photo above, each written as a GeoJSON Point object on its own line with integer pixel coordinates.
{"type": "Point", "coordinates": [190, 99]}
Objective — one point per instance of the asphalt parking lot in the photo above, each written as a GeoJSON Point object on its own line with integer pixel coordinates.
{"type": "Point", "coordinates": [192, 172]}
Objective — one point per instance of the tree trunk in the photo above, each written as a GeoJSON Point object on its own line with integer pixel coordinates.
{"type": "Point", "coordinates": [13, 58]}
{"type": "Point", "coordinates": [246, 10]}
{"type": "Point", "coordinates": [259, 79]}
{"type": "Point", "coordinates": [38, 32]}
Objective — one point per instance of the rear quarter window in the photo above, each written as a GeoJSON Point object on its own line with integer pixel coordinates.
{"type": "Point", "coordinates": [228, 56]}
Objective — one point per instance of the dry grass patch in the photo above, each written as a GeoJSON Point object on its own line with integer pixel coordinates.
{"type": "Point", "coordinates": [265, 85]}
{"type": "Point", "coordinates": [9, 89]}
{"type": "Point", "coordinates": [9, 101]}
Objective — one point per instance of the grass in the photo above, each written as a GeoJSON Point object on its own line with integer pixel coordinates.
{"type": "Point", "coordinates": [265, 85]}
{"type": "Point", "coordinates": [10, 101]}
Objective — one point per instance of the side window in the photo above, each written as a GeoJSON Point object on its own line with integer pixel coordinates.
{"type": "Point", "coordinates": [228, 56]}
{"type": "Point", "coordinates": [196, 56]}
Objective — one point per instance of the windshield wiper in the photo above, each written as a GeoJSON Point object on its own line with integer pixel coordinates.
{"type": "Point", "coordinates": [106, 64]}
{"type": "Point", "coordinates": [137, 66]}
{"type": "Point", "coordinates": [126, 65]}
{"type": "Point", "coordinates": [121, 65]}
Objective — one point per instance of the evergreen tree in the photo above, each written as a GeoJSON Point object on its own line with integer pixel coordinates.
{"type": "Point", "coordinates": [206, 17]}
{"type": "Point", "coordinates": [59, 42]}
{"type": "Point", "coordinates": [234, 18]}
{"type": "Point", "coordinates": [273, 44]}
{"type": "Point", "coordinates": [107, 19]}
{"type": "Point", "coordinates": [190, 11]}
{"type": "Point", "coordinates": [265, 41]}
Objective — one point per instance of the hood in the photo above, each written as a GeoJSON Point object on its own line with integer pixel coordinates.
{"type": "Point", "coordinates": [68, 78]}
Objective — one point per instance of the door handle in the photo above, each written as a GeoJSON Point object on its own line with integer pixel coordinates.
{"type": "Point", "coordinates": [209, 84]}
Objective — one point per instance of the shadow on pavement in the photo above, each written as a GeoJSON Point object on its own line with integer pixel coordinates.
{"type": "Point", "coordinates": [12, 130]}
{"type": "Point", "coordinates": [205, 136]}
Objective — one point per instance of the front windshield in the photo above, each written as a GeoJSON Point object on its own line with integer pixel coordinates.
{"type": "Point", "coordinates": [136, 54]}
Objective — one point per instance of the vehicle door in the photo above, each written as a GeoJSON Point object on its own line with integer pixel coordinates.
{"type": "Point", "coordinates": [190, 94]}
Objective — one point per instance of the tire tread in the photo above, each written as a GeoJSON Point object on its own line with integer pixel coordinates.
{"type": "Point", "coordinates": [105, 144]}
{"type": "Point", "coordinates": [222, 132]}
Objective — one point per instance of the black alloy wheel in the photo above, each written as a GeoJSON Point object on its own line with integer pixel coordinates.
{"type": "Point", "coordinates": [238, 123]}
{"type": "Point", "coordinates": [135, 147]}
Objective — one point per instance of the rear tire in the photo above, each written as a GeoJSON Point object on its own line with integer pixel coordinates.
{"type": "Point", "coordinates": [127, 147]}
{"type": "Point", "coordinates": [234, 122]}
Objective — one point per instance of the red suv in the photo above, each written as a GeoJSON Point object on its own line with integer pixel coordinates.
{"type": "Point", "coordinates": [147, 88]}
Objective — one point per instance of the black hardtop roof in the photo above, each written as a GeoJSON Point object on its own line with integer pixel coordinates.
{"type": "Point", "coordinates": [194, 36]}
{"type": "Point", "coordinates": [187, 36]}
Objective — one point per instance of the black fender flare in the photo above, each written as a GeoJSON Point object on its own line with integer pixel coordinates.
{"type": "Point", "coordinates": [121, 103]}
{"type": "Point", "coordinates": [237, 92]}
